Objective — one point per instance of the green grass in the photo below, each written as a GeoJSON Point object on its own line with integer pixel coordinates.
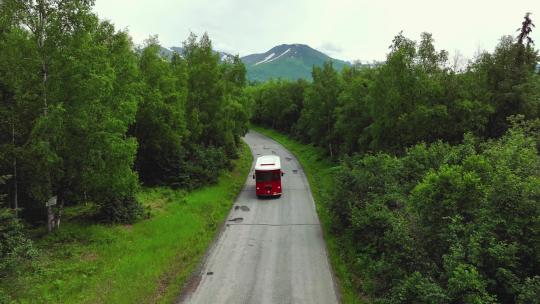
{"type": "Point", "coordinates": [318, 169]}
{"type": "Point", "coordinates": [147, 262]}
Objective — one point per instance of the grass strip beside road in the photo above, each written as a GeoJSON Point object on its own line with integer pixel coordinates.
{"type": "Point", "coordinates": [147, 262]}
{"type": "Point", "coordinates": [318, 169]}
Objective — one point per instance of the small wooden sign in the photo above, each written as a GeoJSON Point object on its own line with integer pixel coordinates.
{"type": "Point", "coordinates": [51, 202]}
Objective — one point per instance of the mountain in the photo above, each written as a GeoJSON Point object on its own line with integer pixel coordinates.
{"type": "Point", "coordinates": [165, 52]}
{"type": "Point", "coordinates": [287, 61]}
{"type": "Point", "coordinates": [177, 49]}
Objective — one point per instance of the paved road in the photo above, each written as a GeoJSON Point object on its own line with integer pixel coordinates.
{"type": "Point", "coordinates": [275, 253]}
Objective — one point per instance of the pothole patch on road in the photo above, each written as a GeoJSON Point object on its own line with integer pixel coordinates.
{"type": "Point", "coordinates": [288, 158]}
{"type": "Point", "coordinates": [295, 171]}
{"type": "Point", "coordinates": [243, 208]}
{"type": "Point", "coordinates": [237, 219]}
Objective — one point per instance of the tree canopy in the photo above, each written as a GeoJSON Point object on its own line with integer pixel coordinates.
{"type": "Point", "coordinates": [89, 117]}
{"type": "Point", "coordinates": [435, 195]}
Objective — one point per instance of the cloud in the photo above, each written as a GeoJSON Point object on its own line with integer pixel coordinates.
{"type": "Point", "coordinates": [344, 29]}
{"type": "Point", "coordinates": [331, 48]}
{"type": "Point", "coordinates": [220, 46]}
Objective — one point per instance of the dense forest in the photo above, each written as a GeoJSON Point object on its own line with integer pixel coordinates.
{"type": "Point", "coordinates": [437, 191]}
{"type": "Point", "coordinates": [87, 117]}
{"type": "Point", "coordinates": [437, 178]}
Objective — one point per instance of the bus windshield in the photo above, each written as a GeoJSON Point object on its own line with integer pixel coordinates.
{"type": "Point", "coordinates": [266, 176]}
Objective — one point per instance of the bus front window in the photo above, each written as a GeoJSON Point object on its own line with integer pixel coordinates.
{"type": "Point", "coordinates": [267, 176]}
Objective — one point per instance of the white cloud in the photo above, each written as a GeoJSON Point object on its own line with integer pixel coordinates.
{"type": "Point", "coordinates": [331, 49]}
{"type": "Point", "coordinates": [361, 29]}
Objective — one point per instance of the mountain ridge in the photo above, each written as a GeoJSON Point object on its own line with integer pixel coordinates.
{"type": "Point", "coordinates": [287, 61]}
{"type": "Point", "coordinates": [284, 61]}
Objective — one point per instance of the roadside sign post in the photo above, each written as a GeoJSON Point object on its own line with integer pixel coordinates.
{"type": "Point", "coordinates": [51, 201]}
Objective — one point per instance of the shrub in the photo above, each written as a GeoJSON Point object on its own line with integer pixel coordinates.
{"type": "Point", "coordinates": [15, 247]}
{"type": "Point", "coordinates": [418, 289]}
{"type": "Point", "coordinates": [457, 224]}
{"type": "Point", "coordinates": [4, 297]}
{"type": "Point", "coordinates": [466, 285]}
{"type": "Point", "coordinates": [126, 211]}
{"type": "Point", "coordinates": [529, 291]}
{"type": "Point", "coordinates": [202, 167]}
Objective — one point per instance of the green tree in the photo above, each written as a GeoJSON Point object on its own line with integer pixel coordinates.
{"type": "Point", "coordinates": [318, 116]}
{"type": "Point", "coordinates": [510, 80]}
{"type": "Point", "coordinates": [160, 125]}
{"type": "Point", "coordinates": [235, 116]}
{"type": "Point", "coordinates": [408, 103]}
{"type": "Point", "coordinates": [278, 104]}
{"type": "Point", "coordinates": [353, 113]}
{"type": "Point", "coordinates": [75, 97]}
{"type": "Point", "coordinates": [205, 92]}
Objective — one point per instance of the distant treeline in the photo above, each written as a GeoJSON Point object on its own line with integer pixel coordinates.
{"type": "Point", "coordinates": [88, 117]}
{"type": "Point", "coordinates": [415, 96]}
{"type": "Point", "coordinates": [437, 193]}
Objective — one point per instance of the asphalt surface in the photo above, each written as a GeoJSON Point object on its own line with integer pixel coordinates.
{"type": "Point", "coordinates": [270, 250]}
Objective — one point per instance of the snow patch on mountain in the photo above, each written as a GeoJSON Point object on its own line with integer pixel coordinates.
{"type": "Point", "coordinates": [265, 59]}
{"type": "Point", "coordinates": [287, 61]}
{"type": "Point", "coordinates": [280, 55]}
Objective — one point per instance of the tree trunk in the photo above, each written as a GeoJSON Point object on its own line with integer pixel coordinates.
{"type": "Point", "coordinates": [15, 186]}
{"type": "Point", "coordinates": [329, 129]}
{"type": "Point", "coordinates": [54, 216]}
{"type": "Point", "coordinates": [58, 216]}
{"type": "Point", "coordinates": [50, 219]}
{"type": "Point", "coordinates": [44, 90]}
{"type": "Point", "coordinates": [40, 31]}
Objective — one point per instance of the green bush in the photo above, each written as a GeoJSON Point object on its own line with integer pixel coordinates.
{"type": "Point", "coordinates": [4, 298]}
{"type": "Point", "coordinates": [530, 291]}
{"type": "Point", "coordinates": [125, 211]}
{"type": "Point", "coordinates": [360, 180]}
{"type": "Point", "coordinates": [15, 247]}
{"type": "Point", "coordinates": [466, 285]}
{"type": "Point", "coordinates": [418, 289]}
{"type": "Point", "coordinates": [444, 224]}
{"type": "Point", "coordinates": [202, 167]}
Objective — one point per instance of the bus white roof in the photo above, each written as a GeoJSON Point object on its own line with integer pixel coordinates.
{"type": "Point", "coordinates": [268, 162]}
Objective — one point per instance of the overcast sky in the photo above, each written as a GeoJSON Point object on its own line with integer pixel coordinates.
{"type": "Point", "coordinates": [344, 29]}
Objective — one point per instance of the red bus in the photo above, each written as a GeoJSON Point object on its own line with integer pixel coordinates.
{"type": "Point", "coordinates": [268, 176]}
